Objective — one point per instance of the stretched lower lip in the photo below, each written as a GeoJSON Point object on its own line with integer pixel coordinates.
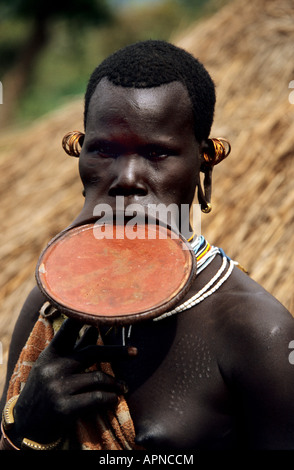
{"type": "Point", "coordinates": [123, 203]}
{"type": "Point", "coordinates": [132, 199]}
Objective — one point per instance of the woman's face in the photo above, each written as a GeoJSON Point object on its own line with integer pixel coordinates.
{"type": "Point", "coordinates": [139, 144]}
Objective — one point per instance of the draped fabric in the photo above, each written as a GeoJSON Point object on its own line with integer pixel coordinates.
{"type": "Point", "coordinates": [111, 430]}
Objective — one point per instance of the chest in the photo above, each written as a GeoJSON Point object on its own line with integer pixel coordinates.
{"type": "Point", "coordinates": [176, 395]}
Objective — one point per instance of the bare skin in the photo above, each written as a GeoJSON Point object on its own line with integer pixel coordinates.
{"type": "Point", "coordinates": [214, 377]}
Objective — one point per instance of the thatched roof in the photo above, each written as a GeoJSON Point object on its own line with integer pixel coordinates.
{"type": "Point", "coordinates": [248, 48]}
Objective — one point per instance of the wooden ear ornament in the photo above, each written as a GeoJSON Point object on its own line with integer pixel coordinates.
{"type": "Point", "coordinates": [72, 143]}
{"type": "Point", "coordinates": [218, 150]}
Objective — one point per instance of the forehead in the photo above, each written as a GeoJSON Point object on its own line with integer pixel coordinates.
{"type": "Point", "coordinates": [163, 105]}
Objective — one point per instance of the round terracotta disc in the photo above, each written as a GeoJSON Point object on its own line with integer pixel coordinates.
{"type": "Point", "coordinates": [107, 274]}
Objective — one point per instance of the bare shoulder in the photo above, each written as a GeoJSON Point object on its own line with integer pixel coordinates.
{"type": "Point", "coordinates": [254, 349]}
{"type": "Point", "coordinates": [246, 304]}
{"type": "Point", "coordinates": [29, 314]}
{"type": "Point", "coordinates": [26, 320]}
{"type": "Point", "coordinates": [252, 326]}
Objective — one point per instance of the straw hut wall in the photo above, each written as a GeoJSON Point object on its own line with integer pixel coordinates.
{"type": "Point", "coordinates": [248, 47]}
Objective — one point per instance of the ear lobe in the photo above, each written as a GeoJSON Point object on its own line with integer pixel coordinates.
{"type": "Point", "coordinates": [213, 151]}
{"type": "Point", "coordinates": [204, 194]}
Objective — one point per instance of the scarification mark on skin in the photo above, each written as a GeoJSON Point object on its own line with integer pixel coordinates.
{"type": "Point", "coordinates": [190, 366]}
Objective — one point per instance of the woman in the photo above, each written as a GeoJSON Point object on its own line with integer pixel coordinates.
{"type": "Point", "coordinates": [215, 374]}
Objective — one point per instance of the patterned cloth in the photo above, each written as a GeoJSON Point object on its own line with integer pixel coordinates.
{"type": "Point", "coordinates": [110, 431]}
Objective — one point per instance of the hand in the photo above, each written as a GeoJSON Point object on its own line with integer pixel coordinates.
{"type": "Point", "coordinates": [58, 389]}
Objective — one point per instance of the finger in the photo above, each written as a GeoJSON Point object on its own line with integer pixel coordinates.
{"type": "Point", "coordinates": [95, 354]}
{"type": "Point", "coordinates": [89, 337]}
{"type": "Point", "coordinates": [92, 381]}
{"type": "Point", "coordinates": [88, 402]}
{"type": "Point", "coordinates": [65, 339]}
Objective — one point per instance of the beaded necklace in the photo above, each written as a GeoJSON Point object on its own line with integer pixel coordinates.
{"type": "Point", "coordinates": [205, 254]}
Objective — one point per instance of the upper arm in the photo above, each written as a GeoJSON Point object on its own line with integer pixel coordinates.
{"type": "Point", "coordinates": [23, 327]}
{"type": "Point", "coordinates": [261, 375]}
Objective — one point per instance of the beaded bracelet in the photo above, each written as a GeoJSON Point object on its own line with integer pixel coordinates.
{"type": "Point", "coordinates": [7, 423]}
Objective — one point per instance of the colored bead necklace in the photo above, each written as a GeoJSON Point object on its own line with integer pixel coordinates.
{"type": "Point", "coordinates": [205, 254]}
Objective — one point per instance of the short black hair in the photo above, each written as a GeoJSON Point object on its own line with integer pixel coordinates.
{"type": "Point", "coordinates": [153, 63]}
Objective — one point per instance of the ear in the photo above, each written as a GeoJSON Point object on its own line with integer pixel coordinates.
{"type": "Point", "coordinates": [212, 152]}
{"type": "Point", "coordinates": [205, 183]}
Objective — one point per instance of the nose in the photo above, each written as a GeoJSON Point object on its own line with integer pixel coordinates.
{"type": "Point", "coordinates": [129, 177]}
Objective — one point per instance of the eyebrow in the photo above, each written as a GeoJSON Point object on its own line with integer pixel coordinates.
{"type": "Point", "coordinates": [111, 138]}
{"type": "Point", "coordinates": [118, 145]}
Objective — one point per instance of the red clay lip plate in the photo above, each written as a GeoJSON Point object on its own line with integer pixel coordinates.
{"type": "Point", "coordinates": [115, 280]}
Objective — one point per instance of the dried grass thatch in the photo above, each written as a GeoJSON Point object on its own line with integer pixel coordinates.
{"type": "Point", "coordinates": [248, 48]}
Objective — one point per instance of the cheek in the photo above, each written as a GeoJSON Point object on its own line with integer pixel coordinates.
{"type": "Point", "coordinates": [84, 169]}
{"type": "Point", "coordinates": [90, 172]}
{"type": "Point", "coordinates": [185, 180]}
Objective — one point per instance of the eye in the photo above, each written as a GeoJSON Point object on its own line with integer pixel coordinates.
{"type": "Point", "coordinates": [157, 153]}
{"type": "Point", "coordinates": [107, 151]}
{"type": "Point", "coordinates": [104, 149]}
{"type": "Point", "coordinates": [154, 155]}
